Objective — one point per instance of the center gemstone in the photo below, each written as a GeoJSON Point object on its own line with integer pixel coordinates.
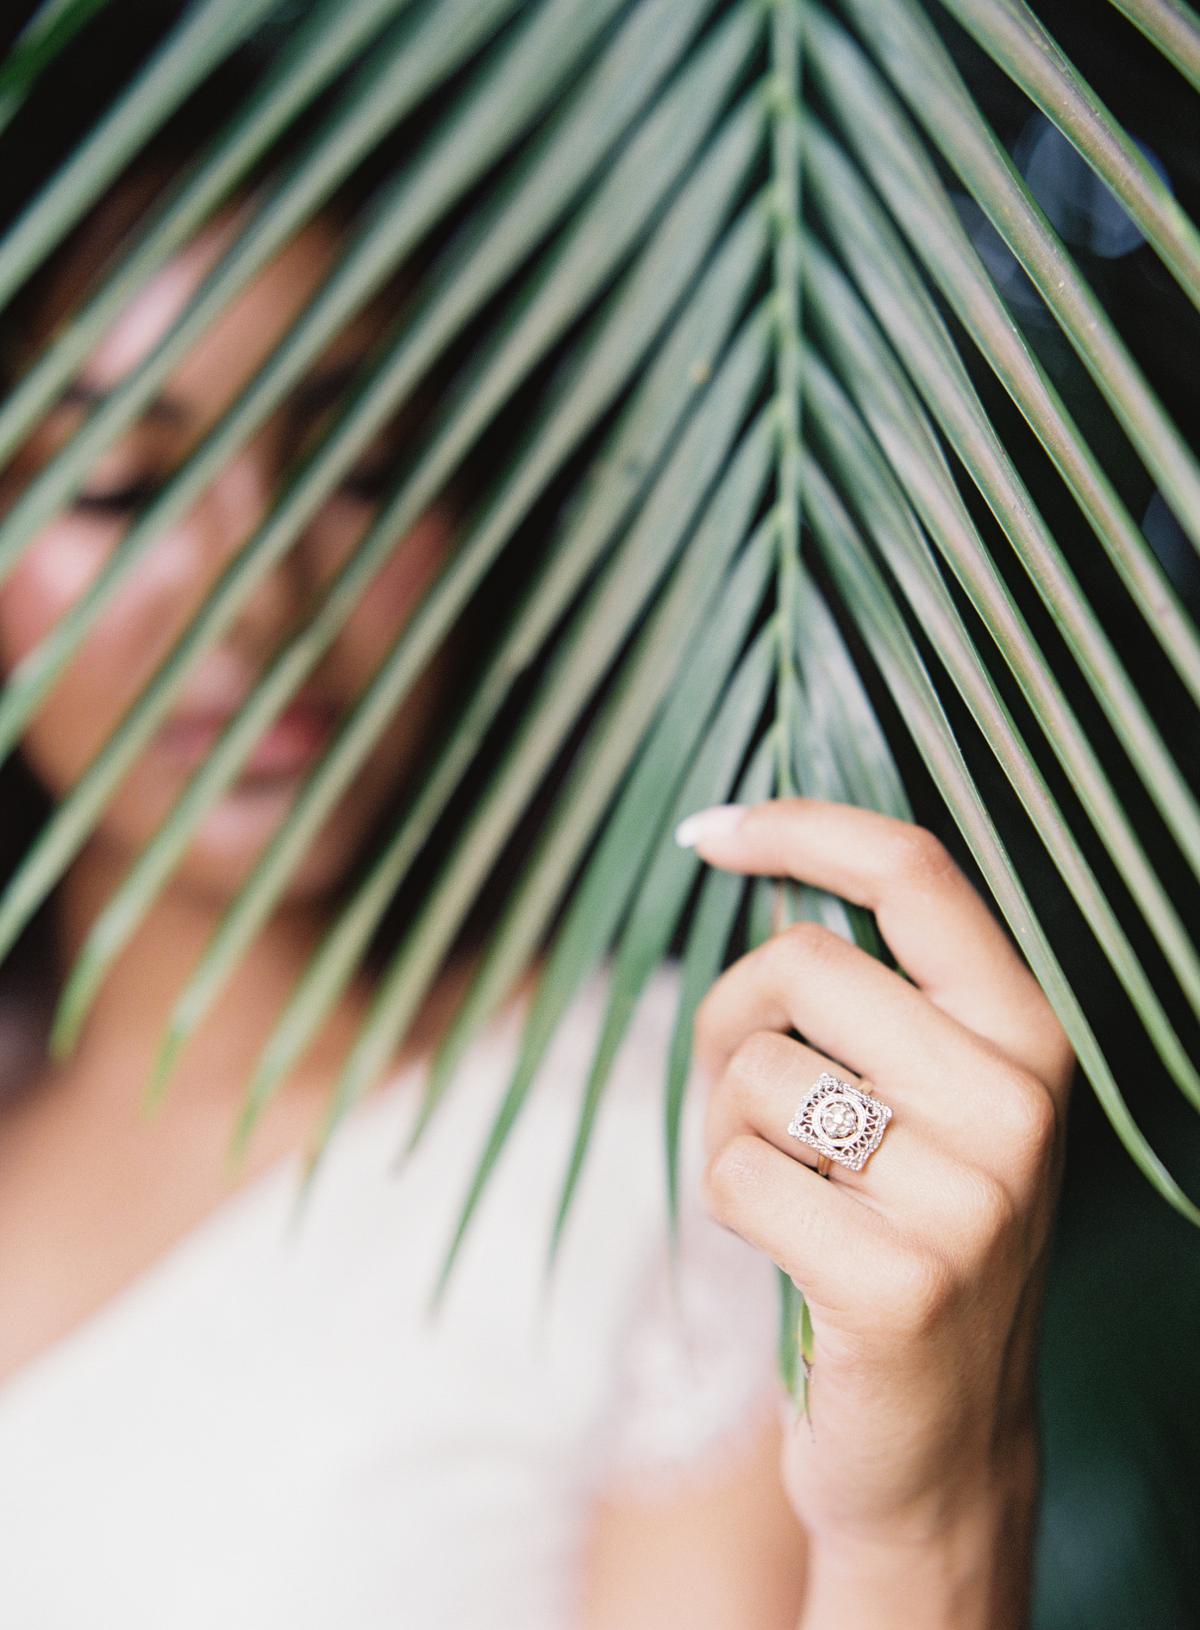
{"type": "Point", "coordinates": [838, 1119]}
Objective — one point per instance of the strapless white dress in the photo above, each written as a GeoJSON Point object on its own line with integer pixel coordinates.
{"type": "Point", "coordinates": [265, 1431]}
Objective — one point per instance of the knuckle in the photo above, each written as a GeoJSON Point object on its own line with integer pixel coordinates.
{"type": "Point", "coordinates": [1060, 1055]}
{"type": "Point", "coordinates": [1048, 1048]}
{"type": "Point", "coordinates": [923, 1291]}
{"type": "Point", "coordinates": [1030, 1119]}
{"type": "Point", "coordinates": [733, 1170]}
{"type": "Point", "coordinates": [753, 1063]}
{"type": "Point", "coordinates": [919, 855]}
{"type": "Point", "coordinates": [993, 1210]}
{"type": "Point", "coordinates": [708, 1038]}
{"type": "Point", "coordinates": [702, 1021]}
{"type": "Point", "coordinates": [805, 942]}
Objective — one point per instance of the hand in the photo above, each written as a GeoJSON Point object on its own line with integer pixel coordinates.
{"type": "Point", "coordinates": [923, 1271]}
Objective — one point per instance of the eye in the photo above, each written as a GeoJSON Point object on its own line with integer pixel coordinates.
{"type": "Point", "coordinates": [367, 486]}
{"type": "Point", "coordinates": [364, 486]}
{"type": "Point", "coordinates": [118, 500]}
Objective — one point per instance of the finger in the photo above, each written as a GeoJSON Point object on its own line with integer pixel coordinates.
{"type": "Point", "coordinates": [767, 1079]}
{"type": "Point", "coordinates": [843, 1255]}
{"type": "Point", "coordinates": [846, 1004]}
{"type": "Point", "coordinates": [911, 1177]}
{"type": "Point", "coordinates": [939, 929]}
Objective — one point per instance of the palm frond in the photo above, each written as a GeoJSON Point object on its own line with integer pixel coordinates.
{"type": "Point", "coordinates": [636, 568]}
{"type": "Point", "coordinates": [732, 726]}
{"type": "Point", "coordinates": [881, 265]}
{"type": "Point", "coordinates": [327, 43]}
{"type": "Point", "coordinates": [1171, 25]}
{"type": "Point", "coordinates": [43, 37]}
{"type": "Point", "coordinates": [204, 36]}
{"type": "Point", "coordinates": [922, 71]}
{"type": "Point", "coordinates": [1027, 52]}
{"type": "Point", "coordinates": [719, 245]}
{"type": "Point", "coordinates": [635, 445]}
{"type": "Point", "coordinates": [899, 660]}
{"type": "Point", "coordinates": [899, 535]}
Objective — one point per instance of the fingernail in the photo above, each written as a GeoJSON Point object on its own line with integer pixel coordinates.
{"type": "Point", "coordinates": [708, 823]}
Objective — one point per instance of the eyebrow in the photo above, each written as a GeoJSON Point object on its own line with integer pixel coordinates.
{"type": "Point", "coordinates": [309, 396]}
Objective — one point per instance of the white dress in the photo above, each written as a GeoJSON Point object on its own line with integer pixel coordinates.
{"type": "Point", "coordinates": [266, 1432]}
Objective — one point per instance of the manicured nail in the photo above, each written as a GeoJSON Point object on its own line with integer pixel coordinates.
{"type": "Point", "coordinates": [708, 823]}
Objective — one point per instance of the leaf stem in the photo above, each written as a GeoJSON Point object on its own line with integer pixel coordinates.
{"type": "Point", "coordinates": [786, 59]}
{"type": "Point", "coordinates": [785, 166]}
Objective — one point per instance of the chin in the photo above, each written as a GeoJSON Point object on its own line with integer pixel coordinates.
{"type": "Point", "coordinates": [231, 842]}
{"type": "Point", "coordinates": [234, 835]}
{"type": "Point", "coordinates": [218, 872]}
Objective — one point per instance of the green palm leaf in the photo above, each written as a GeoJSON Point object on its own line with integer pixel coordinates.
{"type": "Point", "coordinates": [46, 34]}
{"type": "Point", "coordinates": [204, 36]}
{"type": "Point", "coordinates": [1173, 27]}
{"type": "Point", "coordinates": [661, 400]}
{"type": "Point", "coordinates": [643, 559]}
{"type": "Point", "coordinates": [683, 237]}
{"type": "Point", "coordinates": [893, 412]}
{"type": "Point", "coordinates": [327, 43]}
{"type": "Point", "coordinates": [742, 705]}
{"type": "Point", "coordinates": [1024, 48]}
{"type": "Point", "coordinates": [900, 661]}
{"type": "Point", "coordinates": [922, 70]}
{"type": "Point", "coordinates": [720, 246]}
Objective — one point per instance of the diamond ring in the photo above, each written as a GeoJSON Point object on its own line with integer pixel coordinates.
{"type": "Point", "coordinates": [841, 1122]}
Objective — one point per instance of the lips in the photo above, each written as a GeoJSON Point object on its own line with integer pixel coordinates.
{"type": "Point", "coordinates": [288, 746]}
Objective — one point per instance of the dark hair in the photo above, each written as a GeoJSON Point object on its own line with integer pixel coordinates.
{"type": "Point", "coordinates": [65, 104]}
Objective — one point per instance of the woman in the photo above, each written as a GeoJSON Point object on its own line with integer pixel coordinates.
{"type": "Point", "coordinates": [208, 1417]}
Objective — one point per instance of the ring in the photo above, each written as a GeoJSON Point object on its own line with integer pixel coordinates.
{"type": "Point", "coordinates": [841, 1122]}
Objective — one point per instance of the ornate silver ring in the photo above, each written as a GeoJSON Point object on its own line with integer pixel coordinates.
{"type": "Point", "coordinates": [841, 1122]}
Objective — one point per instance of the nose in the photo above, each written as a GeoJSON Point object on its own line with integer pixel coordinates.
{"type": "Point", "coordinates": [225, 519]}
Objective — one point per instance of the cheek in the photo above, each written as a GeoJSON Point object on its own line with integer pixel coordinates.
{"type": "Point", "coordinates": [395, 593]}
{"type": "Point", "coordinates": [43, 586]}
{"type": "Point", "coordinates": [107, 670]}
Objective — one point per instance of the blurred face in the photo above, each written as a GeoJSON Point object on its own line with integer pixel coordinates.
{"type": "Point", "coordinates": [170, 583]}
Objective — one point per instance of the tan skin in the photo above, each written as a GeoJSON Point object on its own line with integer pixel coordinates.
{"type": "Point", "coordinates": [923, 1271]}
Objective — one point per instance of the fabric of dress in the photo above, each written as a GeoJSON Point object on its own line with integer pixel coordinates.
{"type": "Point", "coordinates": [266, 1430]}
